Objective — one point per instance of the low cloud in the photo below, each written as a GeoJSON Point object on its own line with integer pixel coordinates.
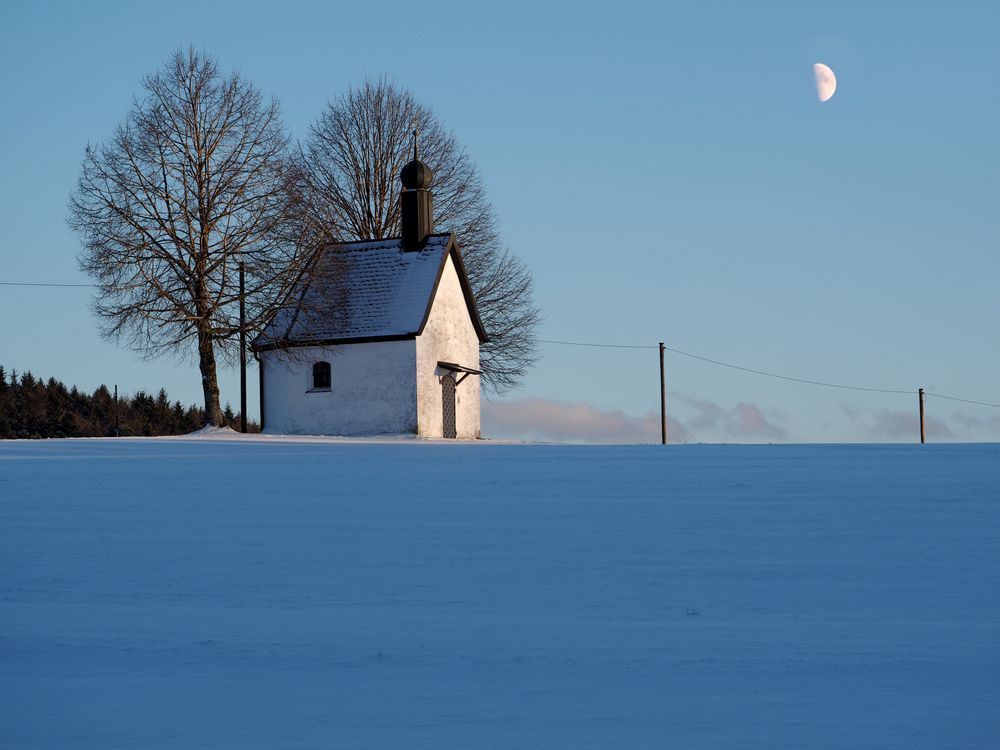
{"type": "Point", "coordinates": [689, 420]}
{"type": "Point", "coordinates": [904, 426]}
{"type": "Point", "coordinates": [897, 425]}
{"type": "Point", "coordinates": [976, 427]}
{"type": "Point", "coordinates": [744, 421]}
{"type": "Point", "coordinates": [543, 419]}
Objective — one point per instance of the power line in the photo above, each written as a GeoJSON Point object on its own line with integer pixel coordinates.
{"type": "Point", "coordinates": [768, 374]}
{"type": "Point", "coordinates": [32, 283]}
{"type": "Point", "coordinates": [788, 377]}
{"type": "Point", "coordinates": [963, 400]}
{"type": "Point", "coordinates": [730, 365]}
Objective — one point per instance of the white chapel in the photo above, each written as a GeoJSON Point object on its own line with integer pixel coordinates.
{"type": "Point", "coordinates": [380, 337]}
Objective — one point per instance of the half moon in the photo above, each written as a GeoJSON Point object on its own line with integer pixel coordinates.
{"type": "Point", "coordinates": [826, 81]}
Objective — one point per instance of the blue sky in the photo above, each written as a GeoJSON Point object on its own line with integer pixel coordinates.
{"type": "Point", "coordinates": [665, 169]}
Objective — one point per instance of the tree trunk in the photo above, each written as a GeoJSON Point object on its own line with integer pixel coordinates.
{"type": "Point", "coordinates": [209, 381]}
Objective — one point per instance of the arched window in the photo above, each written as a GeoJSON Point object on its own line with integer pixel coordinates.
{"type": "Point", "coordinates": [321, 376]}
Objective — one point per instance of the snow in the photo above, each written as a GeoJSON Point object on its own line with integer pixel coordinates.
{"type": "Point", "coordinates": [258, 592]}
{"type": "Point", "coordinates": [211, 431]}
{"type": "Point", "coordinates": [379, 290]}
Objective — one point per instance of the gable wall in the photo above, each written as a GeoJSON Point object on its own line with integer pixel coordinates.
{"type": "Point", "coordinates": [449, 336]}
{"type": "Point", "coordinates": [373, 390]}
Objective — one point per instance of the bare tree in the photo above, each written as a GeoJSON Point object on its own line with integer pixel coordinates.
{"type": "Point", "coordinates": [193, 183]}
{"type": "Point", "coordinates": [349, 182]}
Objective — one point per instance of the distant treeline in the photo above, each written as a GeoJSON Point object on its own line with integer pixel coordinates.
{"type": "Point", "coordinates": [33, 408]}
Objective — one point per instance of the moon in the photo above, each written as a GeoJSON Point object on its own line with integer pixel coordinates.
{"type": "Point", "coordinates": [826, 81]}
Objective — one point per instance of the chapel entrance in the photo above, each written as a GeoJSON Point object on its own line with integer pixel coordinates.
{"type": "Point", "coordinates": [448, 406]}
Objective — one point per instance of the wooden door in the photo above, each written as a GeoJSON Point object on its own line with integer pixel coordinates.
{"type": "Point", "coordinates": [448, 406]}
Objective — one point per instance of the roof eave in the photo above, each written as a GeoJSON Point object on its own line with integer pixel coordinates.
{"type": "Point", "coordinates": [277, 345]}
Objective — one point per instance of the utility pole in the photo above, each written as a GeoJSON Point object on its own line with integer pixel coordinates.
{"type": "Point", "coordinates": [920, 393]}
{"type": "Point", "coordinates": [116, 409]}
{"type": "Point", "coordinates": [243, 354]}
{"type": "Point", "coordinates": [663, 398]}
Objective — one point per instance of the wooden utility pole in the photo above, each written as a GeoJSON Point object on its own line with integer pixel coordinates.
{"type": "Point", "coordinates": [116, 410]}
{"type": "Point", "coordinates": [243, 354]}
{"type": "Point", "coordinates": [920, 393]}
{"type": "Point", "coordinates": [663, 398]}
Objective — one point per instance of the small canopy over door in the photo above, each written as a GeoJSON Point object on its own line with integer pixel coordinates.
{"type": "Point", "coordinates": [448, 385]}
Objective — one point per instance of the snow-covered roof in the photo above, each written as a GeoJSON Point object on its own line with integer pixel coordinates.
{"type": "Point", "coordinates": [366, 291]}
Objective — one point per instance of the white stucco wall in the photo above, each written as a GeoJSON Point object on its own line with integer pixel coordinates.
{"type": "Point", "coordinates": [449, 336]}
{"type": "Point", "coordinates": [373, 390]}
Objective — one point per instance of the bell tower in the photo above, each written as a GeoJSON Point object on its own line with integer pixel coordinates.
{"type": "Point", "coordinates": [416, 204]}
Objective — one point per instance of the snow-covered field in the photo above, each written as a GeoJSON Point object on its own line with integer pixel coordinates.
{"type": "Point", "coordinates": [257, 593]}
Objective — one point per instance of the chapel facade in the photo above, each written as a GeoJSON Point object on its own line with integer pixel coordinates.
{"type": "Point", "coordinates": [380, 337]}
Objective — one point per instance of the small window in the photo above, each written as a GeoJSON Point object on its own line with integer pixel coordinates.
{"type": "Point", "coordinates": [321, 376]}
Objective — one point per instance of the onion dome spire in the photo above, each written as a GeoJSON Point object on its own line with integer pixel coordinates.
{"type": "Point", "coordinates": [416, 175]}
{"type": "Point", "coordinates": [416, 209]}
